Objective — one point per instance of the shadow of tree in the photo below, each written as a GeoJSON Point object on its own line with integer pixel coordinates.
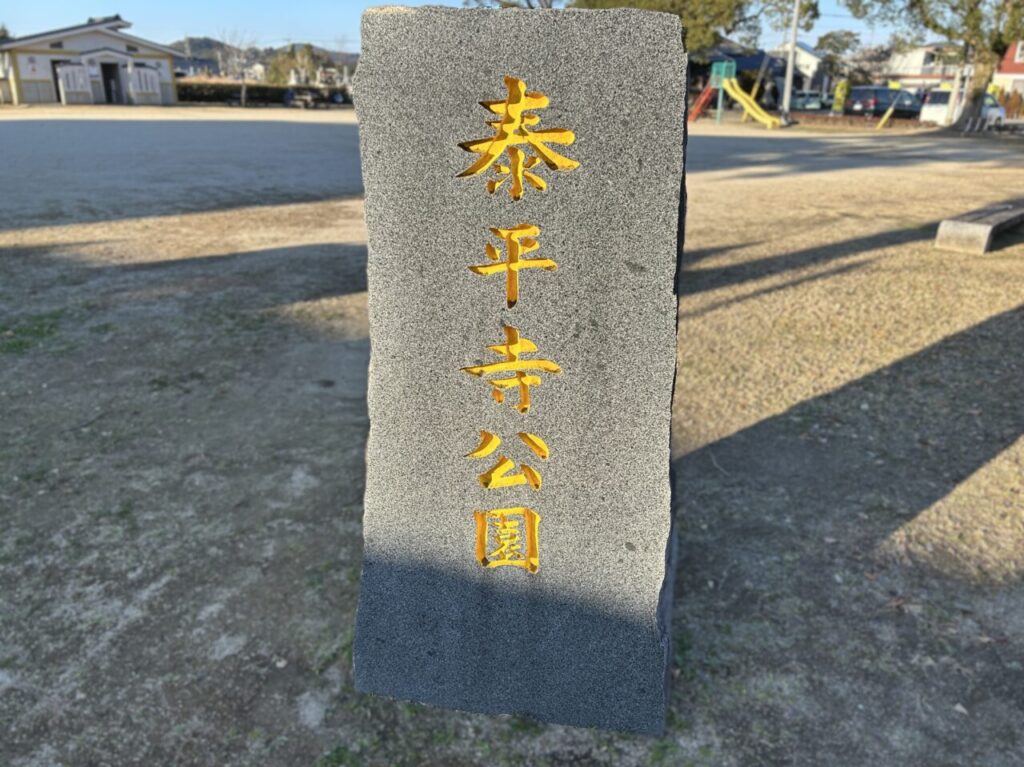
{"type": "Point", "coordinates": [693, 281]}
{"type": "Point", "coordinates": [764, 156]}
{"type": "Point", "coordinates": [789, 613]}
{"type": "Point", "coordinates": [857, 463]}
{"type": "Point", "coordinates": [259, 279]}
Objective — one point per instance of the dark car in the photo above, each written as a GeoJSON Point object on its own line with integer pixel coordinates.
{"type": "Point", "coordinates": [875, 101]}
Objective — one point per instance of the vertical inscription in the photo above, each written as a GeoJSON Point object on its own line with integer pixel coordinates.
{"type": "Point", "coordinates": [510, 537]}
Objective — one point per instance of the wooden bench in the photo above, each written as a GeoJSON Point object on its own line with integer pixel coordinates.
{"type": "Point", "coordinates": [973, 232]}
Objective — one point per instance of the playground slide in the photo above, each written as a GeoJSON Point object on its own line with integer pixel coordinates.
{"type": "Point", "coordinates": [701, 104]}
{"type": "Point", "coordinates": [732, 87]}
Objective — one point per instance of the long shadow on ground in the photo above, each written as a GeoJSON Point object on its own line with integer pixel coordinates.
{"type": "Point", "coordinates": [782, 592]}
{"type": "Point", "coordinates": [774, 156]}
{"type": "Point", "coordinates": [692, 281]}
{"type": "Point", "coordinates": [790, 651]}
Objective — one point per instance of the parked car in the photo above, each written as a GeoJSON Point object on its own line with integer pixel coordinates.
{"type": "Point", "coordinates": [806, 101]}
{"type": "Point", "coordinates": [993, 112]}
{"type": "Point", "coordinates": [936, 109]}
{"type": "Point", "coordinates": [876, 100]}
{"type": "Point", "coordinates": [305, 98]}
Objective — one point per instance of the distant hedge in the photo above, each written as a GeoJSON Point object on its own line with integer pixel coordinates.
{"type": "Point", "coordinates": [222, 92]}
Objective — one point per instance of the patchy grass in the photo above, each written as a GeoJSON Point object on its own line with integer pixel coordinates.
{"type": "Point", "coordinates": [18, 336]}
{"type": "Point", "coordinates": [153, 540]}
{"type": "Point", "coordinates": [340, 756]}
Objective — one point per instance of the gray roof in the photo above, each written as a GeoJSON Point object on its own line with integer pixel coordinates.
{"type": "Point", "coordinates": [106, 22]}
{"type": "Point", "coordinates": [109, 24]}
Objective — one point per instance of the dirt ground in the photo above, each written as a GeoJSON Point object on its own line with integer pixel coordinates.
{"type": "Point", "coordinates": [183, 351]}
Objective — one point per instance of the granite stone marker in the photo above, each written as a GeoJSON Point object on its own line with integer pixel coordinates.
{"type": "Point", "coordinates": [523, 174]}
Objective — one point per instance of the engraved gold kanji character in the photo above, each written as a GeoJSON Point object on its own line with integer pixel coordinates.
{"type": "Point", "coordinates": [519, 240]}
{"type": "Point", "coordinates": [508, 538]}
{"type": "Point", "coordinates": [511, 132]}
{"type": "Point", "coordinates": [499, 475]}
{"type": "Point", "coordinates": [514, 347]}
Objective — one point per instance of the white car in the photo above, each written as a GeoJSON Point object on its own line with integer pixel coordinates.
{"type": "Point", "coordinates": [936, 109]}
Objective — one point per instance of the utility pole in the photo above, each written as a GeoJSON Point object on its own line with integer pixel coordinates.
{"type": "Point", "coordinates": [787, 94]}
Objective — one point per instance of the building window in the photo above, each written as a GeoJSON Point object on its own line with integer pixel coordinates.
{"type": "Point", "coordinates": [1018, 56]}
{"type": "Point", "coordinates": [132, 49]}
{"type": "Point", "coordinates": [57, 45]}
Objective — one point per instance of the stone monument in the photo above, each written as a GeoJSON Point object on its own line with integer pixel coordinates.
{"type": "Point", "coordinates": [524, 193]}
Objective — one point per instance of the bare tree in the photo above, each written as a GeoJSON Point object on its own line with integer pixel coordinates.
{"type": "Point", "coordinates": [867, 64]}
{"type": "Point", "coordinates": [238, 49]}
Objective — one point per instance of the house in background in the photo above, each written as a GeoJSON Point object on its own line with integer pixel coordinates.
{"type": "Point", "coordinates": [1010, 76]}
{"type": "Point", "coordinates": [925, 66]}
{"type": "Point", "coordinates": [255, 73]}
{"type": "Point", "coordinates": [193, 66]}
{"type": "Point", "coordinates": [809, 72]}
{"type": "Point", "coordinates": [92, 63]}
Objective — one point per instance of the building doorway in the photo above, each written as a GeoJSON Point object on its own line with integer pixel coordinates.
{"type": "Point", "coordinates": [111, 75]}
{"type": "Point", "coordinates": [55, 74]}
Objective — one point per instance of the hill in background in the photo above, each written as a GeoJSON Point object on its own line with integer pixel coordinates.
{"type": "Point", "coordinates": [209, 48]}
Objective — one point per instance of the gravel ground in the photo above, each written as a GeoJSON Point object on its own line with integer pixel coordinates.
{"type": "Point", "coordinates": [183, 353]}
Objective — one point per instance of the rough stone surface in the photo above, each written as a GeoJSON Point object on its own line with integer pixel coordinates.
{"type": "Point", "coordinates": [973, 232]}
{"type": "Point", "coordinates": [585, 639]}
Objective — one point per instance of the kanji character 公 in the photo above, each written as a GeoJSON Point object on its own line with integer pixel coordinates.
{"type": "Point", "coordinates": [498, 475]}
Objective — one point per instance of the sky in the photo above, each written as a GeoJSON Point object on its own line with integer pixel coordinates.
{"type": "Point", "coordinates": [332, 24]}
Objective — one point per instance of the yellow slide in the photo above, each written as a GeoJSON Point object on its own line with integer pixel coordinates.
{"type": "Point", "coordinates": [749, 105]}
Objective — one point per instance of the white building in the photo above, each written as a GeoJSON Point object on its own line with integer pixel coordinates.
{"type": "Point", "coordinates": [256, 73]}
{"type": "Point", "coordinates": [925, 66]}
{"type": "Point", "coordinates": [809, 74]}
{"type": "Point", "coordinates": [91, 63]}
